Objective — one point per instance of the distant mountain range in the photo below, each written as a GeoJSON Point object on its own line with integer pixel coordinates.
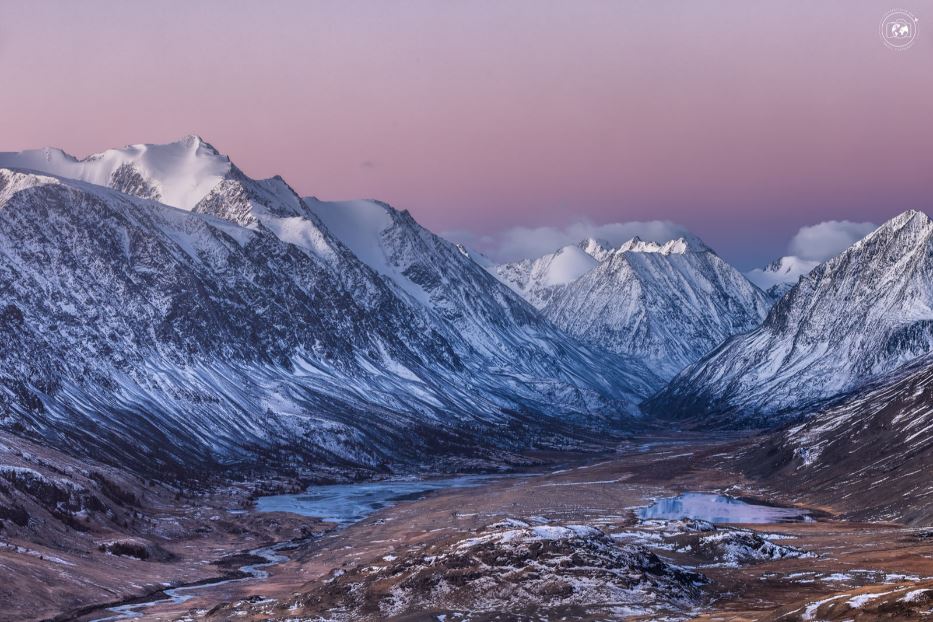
{"type": "Point", "coordinates": [162, 309]}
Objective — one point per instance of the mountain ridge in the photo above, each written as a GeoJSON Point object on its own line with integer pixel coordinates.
{"type": "Point", "coordinates": [668, 302]}
{"type": "Point", "coordinates": [239, 327]}
{"type": "Point", "coordinates": [805, 351]}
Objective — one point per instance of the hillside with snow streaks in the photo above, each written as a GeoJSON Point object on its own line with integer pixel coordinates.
{"type": "Point", "coordinates": [668, 304]}
{"type": "Point", "coordinates": [243, 328]}
{"type": "Point", "coordinates": [460, 296]}
{"type": "Point", "coordinates": [866, 453]}
{"type": "Point", "coordinates": [854, 318]}
{"type": "Point", "coordinates": [537, 280]}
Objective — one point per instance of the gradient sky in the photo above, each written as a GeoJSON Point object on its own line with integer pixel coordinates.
{"type": "Point", "coordinates": [742, 120]}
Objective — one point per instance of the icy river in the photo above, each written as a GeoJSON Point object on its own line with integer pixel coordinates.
{"type": "Point", "coordinates": [343, 504]}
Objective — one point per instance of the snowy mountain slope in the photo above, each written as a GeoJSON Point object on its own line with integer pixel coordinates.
{"type": "Point", "coordinates": [143, 329]}
{"type": "Point", "coordinates": [778, 277]}
{"type": "Point", "coordinates": [244, 328]}
{"type": "Point", "coordinates": [667, 303]}
{"type": "Point", "coordinates": [478, 318]}
{"type": "Point", "coordinates": [861, 314]}
{"type": "Point", "coordinates": [460, 296]}
{"type": "Point", "coordinates": [537, 279]}
{"type": "Point", "coordinates": [866, 453]}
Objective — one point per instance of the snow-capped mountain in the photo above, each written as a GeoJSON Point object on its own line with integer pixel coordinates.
{"type": "Point", "coordinates": [668, 304]}
{"type": "Point", "coordinates": [461, 298]}
{"type": "Point", "coordinates": [866, 454]}
{"type": "Point", "coordinates": [861, 314]}
{"type": "Point", "coordinates": [177, 174]}
{"type": "Point", "coordinates": [536, 280]}
{"type": "Point", "coordinates": [779, 276]}
{"type": "Point", "coordinates": [236, 324]}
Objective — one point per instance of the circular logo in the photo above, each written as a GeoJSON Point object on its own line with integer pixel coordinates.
{"type": "Point", "coordinates": [899, 29]}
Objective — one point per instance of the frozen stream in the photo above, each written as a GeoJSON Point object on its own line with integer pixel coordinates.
{"type": "Point", "coordinates": [177, 595]}
{"type": "Point", "coordinates": [343, 504]}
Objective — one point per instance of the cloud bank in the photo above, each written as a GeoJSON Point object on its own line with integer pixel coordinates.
{"type": "Point", "coordinates": [810, 246]}
{"type": "Point", "coordinates": [821, 241]}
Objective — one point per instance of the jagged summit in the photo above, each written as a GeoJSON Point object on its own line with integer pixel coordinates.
{"type": "Point", "coordinates": [192, 175]}
{"type": "Point", "coordinates": [906, 228]}
{"type": "Point", "coordinates": [601, 249]}
{"type": "Point", "coordinates": [598, 249]}
{"type": "Point", "coordinates": [916, 216]}
{"type": "Point", "coordinates": [677, 246]}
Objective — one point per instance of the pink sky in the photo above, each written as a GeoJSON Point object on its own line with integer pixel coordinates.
{"type": "Point", "coordinates": [741, 120]}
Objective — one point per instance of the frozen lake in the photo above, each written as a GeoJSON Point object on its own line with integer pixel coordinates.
{"type": "Point", "coordinates": [348, 503]}
{"type": "Point", "coordinates": [718, 509]}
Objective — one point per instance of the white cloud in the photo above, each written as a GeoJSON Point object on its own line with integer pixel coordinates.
{"type": "Point", "coordinates": [530, 242]}
{"type": "Point", "coordinates": [824, 240]}
{"type": "Point", "coordinates": [810, 246]}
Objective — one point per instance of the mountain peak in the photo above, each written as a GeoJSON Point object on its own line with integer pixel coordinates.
{"type": "Point", "coordinates": [13, 180]}
{"type": "Point", "coordinates": [595, 248]}
{"type": "Point", "coordinates": [901, 233]}
{"type": "Point", "coordinates": [195, 143]}
{"type": "Point", "coordinates": [911, 216]}
{"type": "Point", "coordinates": [677, 246]}
{"type": "Point", "coordinates": [178, 174]}
{"type": "Point", "coordinates": [668, 303]}
{"type": "Point", "coordinates": [781, 274]}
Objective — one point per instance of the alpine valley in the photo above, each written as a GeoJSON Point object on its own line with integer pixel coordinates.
{"type": "Point", "coordinates": [222, 400]}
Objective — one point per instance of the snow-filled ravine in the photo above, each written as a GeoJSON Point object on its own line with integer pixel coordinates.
{"type": "Point", "coordinates": [716, 508]}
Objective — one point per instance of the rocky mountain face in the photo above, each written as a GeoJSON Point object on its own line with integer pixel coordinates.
{"type": "Point", "coordinates": [854, 318]}
{"type": "Point", "coordinates": [537, 280]}
{"type": "Point", "coordinates": [480, 315]}
{"type": "Point", "coordinates": [668, 304]}
{"type": "Point", "coordinates": [235, 326]}
{"type": "Point", "coordinates": [867, 453]}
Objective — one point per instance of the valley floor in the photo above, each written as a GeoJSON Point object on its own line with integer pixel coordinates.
{"type": "Point", "coordinates": [827, 569]}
